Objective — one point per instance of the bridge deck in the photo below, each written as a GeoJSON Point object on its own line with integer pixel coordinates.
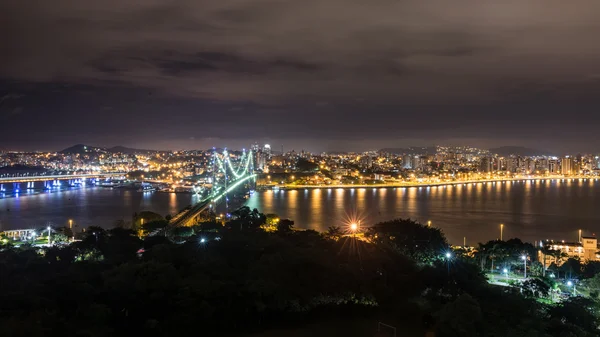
{"type": "Point", "coordinates": [6, 180]}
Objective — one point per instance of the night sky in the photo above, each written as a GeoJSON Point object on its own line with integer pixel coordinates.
{"type": "Point", "coordinates": [313, 74]}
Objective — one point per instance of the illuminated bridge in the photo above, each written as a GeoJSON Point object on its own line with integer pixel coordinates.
{"type": "Point", "coordinates": [228, 175]}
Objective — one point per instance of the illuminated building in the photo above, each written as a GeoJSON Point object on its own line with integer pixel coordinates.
{"type": "Point", "coordinates": [586, 250]}
{"type": "Point", "coordinates": [566, 165]}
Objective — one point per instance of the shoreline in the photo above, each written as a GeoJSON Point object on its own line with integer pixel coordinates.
{"type": "Point", "coordinates": [425, 184]}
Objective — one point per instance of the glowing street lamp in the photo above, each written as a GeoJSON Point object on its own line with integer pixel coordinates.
{"type": "Point", "coordinates": [572, 284]}
{"type": "Point", "coordinates": [448, 256]}
{"type": "Point", "coordinates": [501, 231]}
{"type": "Point", "coordinates": [505, 271]}
{"type": "Point", "coordinates": [354, 227]}
{"type": "Point", "coordinates": [524, 258]}
{"type": "Point", "coordinates": [429, 223]}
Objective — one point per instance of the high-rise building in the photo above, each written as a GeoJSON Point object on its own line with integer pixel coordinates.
{"type": "Point", "coordinates": [530, 166]}
{"type": "Point", "coordinates": [566, 166]}
{"type": "Point", "coordinates": [511, 164]}
{"type": "Point", "coordinates": [407, 162]}
{"type": "Point", "coordinates": [267, 150]}
{"type": "Point", "coordinates": [542, 165]}
{"type": "Point", "coordinates": [553, 166]}
{"type": "Point", "coordinates": [486, 164]}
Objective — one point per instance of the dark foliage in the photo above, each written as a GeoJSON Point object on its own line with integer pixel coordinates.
{"type": "Point", "coordinates": [237, 278]}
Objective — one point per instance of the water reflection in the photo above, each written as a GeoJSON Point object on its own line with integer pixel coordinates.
{"type": "Point", "coordinates": [528, 208]}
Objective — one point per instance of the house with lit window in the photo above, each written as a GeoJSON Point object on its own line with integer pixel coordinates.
{"type": "Point", "coordinates": [559, 251]}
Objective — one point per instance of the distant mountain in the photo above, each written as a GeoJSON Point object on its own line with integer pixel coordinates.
{"type": "Point", "coordinates": [83, 149]}
{"type": "Point", "coordinates": [410, 150]}
{"type": "Point", "coordinates": [128, 150]}
{"type": "Point", "coordinates": [519, 151]}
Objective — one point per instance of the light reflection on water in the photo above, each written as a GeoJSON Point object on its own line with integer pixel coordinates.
{"type": "Point", "coordinates": [529, 209]}
{"type": "Point", "coordinates": [86, 206]}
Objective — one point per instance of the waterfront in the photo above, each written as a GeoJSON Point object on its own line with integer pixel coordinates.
{"type": "Point", "coordinates": [531, 210]}
{"type": "Point", "coordinates": [85, 206]}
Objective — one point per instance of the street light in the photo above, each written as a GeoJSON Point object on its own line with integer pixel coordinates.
{"type": "Point", "coordinates": [354, 228]}
{"type": "Point", "coordinates": [501, 231]}
{"type": "Point", "coordinates": [524, 258]}
{"type": "Point", "coordinates": [505, 271]}
{"type": "Point", "coordinates": [571, 284]}
{"type": "Point", "coordinates": [429, 223]}
{"type": "Point", "coordinates": [448, 256]}
{"type": "Point", "coordinates": [71, 223]}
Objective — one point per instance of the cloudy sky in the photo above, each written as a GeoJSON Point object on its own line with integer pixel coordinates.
{"type": "Point", "coordinates": [313, 74]}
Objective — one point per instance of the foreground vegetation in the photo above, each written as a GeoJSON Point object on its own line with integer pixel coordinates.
{"type": "Point", "coordinates": [256, 274]}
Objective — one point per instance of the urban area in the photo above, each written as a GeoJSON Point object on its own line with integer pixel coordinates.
{"type": "Point", "coordinates": [554, 280]}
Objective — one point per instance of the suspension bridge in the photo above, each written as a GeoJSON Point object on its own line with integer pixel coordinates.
{"type": "Point", "coordinates": [228, 175]}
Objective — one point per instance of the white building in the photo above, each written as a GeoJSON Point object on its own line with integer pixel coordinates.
{"type": "Point", "coordinates": [586, 250]}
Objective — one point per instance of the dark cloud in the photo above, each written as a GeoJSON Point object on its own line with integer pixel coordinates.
{"type": "Point", "coordinates": [333, 69]}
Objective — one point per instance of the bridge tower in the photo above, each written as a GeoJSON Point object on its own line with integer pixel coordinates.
{"type": "Point", "coordinates": [213, 189]}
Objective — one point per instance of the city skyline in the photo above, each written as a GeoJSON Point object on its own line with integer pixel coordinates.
{"type": "Point", "coordinates": [324, 76]}
{"type": "Point", "coordinates": [501, 151]}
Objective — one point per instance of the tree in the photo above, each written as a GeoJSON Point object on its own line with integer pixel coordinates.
{"type": "Point", "coordinates": [571, 268]}
{"type": "Point", "coordinates": [334, 232]}
{"type": "Point", "coordinates": [285, 225]}
{"type": "Point", "coordinates": [245, 219]}
{"type": "Point", "coordinates": [591, 269]}
{"type": "Point", "coordinates": [271, 221]}
{"type": "Point", "coordinates": [505, 253]}
{"type": "Point", "coordinates": [209, 226]}
{"type": "Point", "coordinates": [459, 318]}
{"type": "Point", "coordinates": [121, 245]}
{"type": "Point", "coordinates": [182, 232]}
{"type": "Point", "coordinates": [422, 243]}
{"type": "Point", "coordinates": [536, 269]}
{"type": "Point", "coordinates": [535, 287]}
{"type": "Point", "coordinates": [578, 311]}
{"type": "Point", "coordinates": [593, 284]}
{"type": "Point", "coordinates": [152, 226]}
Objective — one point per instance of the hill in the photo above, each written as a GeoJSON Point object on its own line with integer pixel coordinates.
{"type": "Point", "coordinates": [83, 149]}
{"type": "Point", "coordinates": [519, 151]}
{"type": "Point", "coordinates": [410, 150]}
{"type": "Point", "coordinates": [128, 150]}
